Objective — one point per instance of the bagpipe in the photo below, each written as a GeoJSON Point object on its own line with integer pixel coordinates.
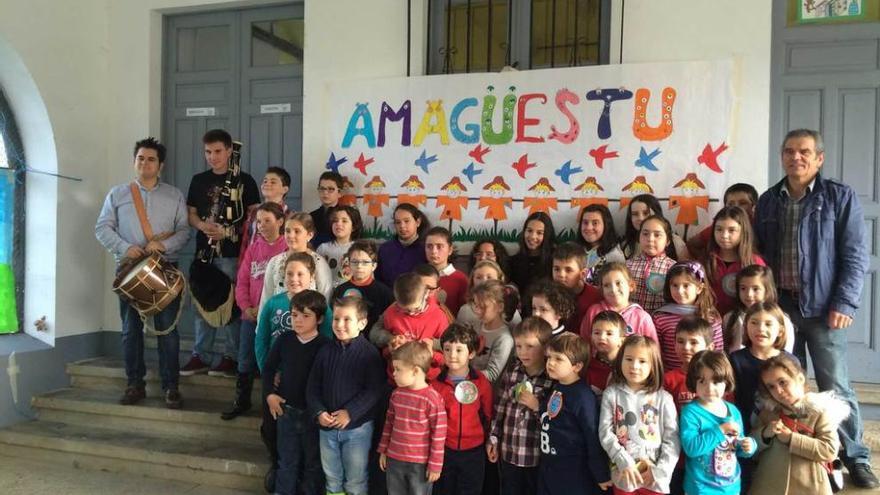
{"type": "Point", "coordinates": [213, 292]}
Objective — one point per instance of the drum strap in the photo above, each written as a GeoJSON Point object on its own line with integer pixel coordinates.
{"type": "Point", "coordinates": [141, 211]}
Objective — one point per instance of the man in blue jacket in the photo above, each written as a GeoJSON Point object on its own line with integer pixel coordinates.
{"type": "Point", "coordinates": [811, 231]}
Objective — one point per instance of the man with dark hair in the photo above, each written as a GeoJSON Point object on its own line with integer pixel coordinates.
{"type": "Point", "coordinates": [119, 230]}
{"type": "Point", "coordinates": [330, 186]}
{"type": "Point", "coordinates": [203, 203]}
{"type": "Point", "coordinates": [811, 231]}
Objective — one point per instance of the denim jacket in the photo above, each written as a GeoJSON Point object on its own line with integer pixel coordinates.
{"type": "Point", "coordinates": [831, 245]}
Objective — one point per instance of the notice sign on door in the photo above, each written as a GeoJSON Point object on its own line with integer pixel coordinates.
{"type": "Point", "coordinates": [275, 108]}
{"type": "Point", "coordinates": [201, 112]}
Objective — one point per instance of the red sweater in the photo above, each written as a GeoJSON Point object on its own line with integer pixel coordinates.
{"type": "Point", "coordinates": [674, 383]}
{"type": "Point", "coordinates": [415, 427]}
{"type": "Point", "coordinates": [455, 286]}
{"type": "Point", "coordinates": [466, 423]}
{"type": "Point", "coordinates": [587, 297]}
{"type": "Point", "coordinates": [724, 281]}
{"type": "Point", "coordinates": [429, 324]}
{"type": "Point", "coordinates": [597, 375]}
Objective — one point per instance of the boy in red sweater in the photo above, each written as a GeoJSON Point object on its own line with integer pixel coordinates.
{"type": "Point", "coordinates": [411, 447]}
{"type": "Point", "coordinates": [413, 316]}
{"type": "Point", "coordinates": [692, 335]}
{"type": "Point", "coordinates": [467, 394]}
{"type": "Point", "coordinates": [570, 270]}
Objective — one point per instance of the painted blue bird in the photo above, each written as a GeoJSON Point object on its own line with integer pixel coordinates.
{"type": "Point", "coordinates": [566, 171]}
{"type": "Point", "coordinates": [424, 160]}
{"type": "Point", "coordinates": [646, 160]}
{"type": "Point", "coordinates": [470, 172]}
{"type": "Point", "coordinates": [333, 163]}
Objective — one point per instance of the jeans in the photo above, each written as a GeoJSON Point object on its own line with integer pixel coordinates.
{"type": "Point", "coordinates": [168, 346]}
{"type": "Point", "coordinates": [407, 478]}
{"type": "Point", "coordinates": [247, 361]}
{"type": "Point", "coordinates": [827, 349]}
{"type": "Point", "coordinates": [298, 452]}
{"type": "Point", "coordinates": [344, 455]}
{"type": "Point", "coordinates": [205, 334]}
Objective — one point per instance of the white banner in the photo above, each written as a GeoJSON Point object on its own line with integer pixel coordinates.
{"type": "Point", "coordinates": [479, 152]}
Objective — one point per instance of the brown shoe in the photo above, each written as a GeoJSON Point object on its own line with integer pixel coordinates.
{"type": "Point", "coordinates": [173, 400]}
{"type": "Point", "coordinates": [195, 365]}
{"type": "Point", "coordinates": [132, 395]}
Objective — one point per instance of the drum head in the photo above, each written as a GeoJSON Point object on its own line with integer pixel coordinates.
{"type": "Point", "coordinates": [134, 269]}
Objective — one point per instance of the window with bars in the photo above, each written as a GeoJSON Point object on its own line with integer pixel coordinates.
{"type": "Point", "coordinates": [486, 35]}
{"type": "Point", "coordinates": [11, 222]}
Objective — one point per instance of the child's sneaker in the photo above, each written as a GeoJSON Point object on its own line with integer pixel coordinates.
{"type": "Point", "coordinates": [227, 368]}
{"type": "Point", "coordinates": [195, 365]}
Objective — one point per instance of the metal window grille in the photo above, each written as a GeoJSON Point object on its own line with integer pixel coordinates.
{"type": "Point", "coordinates": [486, 35]}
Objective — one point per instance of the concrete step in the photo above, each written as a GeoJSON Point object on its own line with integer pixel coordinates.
{"type": "Point", "coordinates": [867, 393]}
{"type": "Point", "coordinates": [187, 343]}
{"type": "Point", "coordinates": [217, 463]}
{"type": "Point", "coordinates": [108, 374]}
{"type": "Point", "coordinates": [198, 420]}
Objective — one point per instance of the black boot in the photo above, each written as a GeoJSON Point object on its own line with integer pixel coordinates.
{"type": "Point", "coordinates": [244, 383]}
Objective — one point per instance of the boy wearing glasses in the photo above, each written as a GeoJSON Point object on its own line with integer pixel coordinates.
{"type": "Point", "coordinates": [413, 316]}
{"type": "Point", "coordinates": [362, 258]}
{"type": "Point", "coordinates": [329, 191]}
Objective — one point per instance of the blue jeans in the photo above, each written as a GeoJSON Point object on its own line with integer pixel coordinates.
{"type": "Point", "coordinates": [205, 334]}
{"type": "Point", "coordinates": [828, 354]}
{"type": "Point", "coordinates": [298, 453]}
{"type": "Point", "coordinates": [168, 346]}
{"type": "Point", "coordinates": [247, 361]}
{"type": "Point", "coordinates": [344, 455]}
{"type": "Point", "coordinates": [407, 478]}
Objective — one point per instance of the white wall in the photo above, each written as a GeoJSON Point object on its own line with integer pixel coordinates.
{"type": "Point", "coordinates": [679, 30]}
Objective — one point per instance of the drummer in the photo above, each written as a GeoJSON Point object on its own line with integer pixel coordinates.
{"type": "Point", "coordinates": [120, 231]}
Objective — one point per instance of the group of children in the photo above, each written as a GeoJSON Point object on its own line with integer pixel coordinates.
{"type": "Point", "coordinates": [621, 368]}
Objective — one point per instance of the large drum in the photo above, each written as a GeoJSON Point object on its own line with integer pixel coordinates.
{"type": "Point", "coordinates": [149, 284]}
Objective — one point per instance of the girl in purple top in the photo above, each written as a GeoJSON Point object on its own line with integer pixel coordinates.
{"type": "Point", "coordinates": [407, 249]}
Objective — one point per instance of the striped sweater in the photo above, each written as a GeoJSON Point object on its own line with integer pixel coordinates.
{"type": "Point", "coordinates": [666, 319]}
{"type": "Point", "coordinates": [415, 427]}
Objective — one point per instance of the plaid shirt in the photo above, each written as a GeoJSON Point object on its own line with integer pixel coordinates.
{"type": "Point", "coordinates": [789, 256]}
{"type": "Point", "coordinates": [649, 275]}
{"type": "Point", "coordinates": [515, 425]}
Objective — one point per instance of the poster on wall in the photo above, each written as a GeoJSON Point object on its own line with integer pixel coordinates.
{"type": "Point", "coordinates": [810, 11]}
{"type": "Point", "coordinates": [478, 153]}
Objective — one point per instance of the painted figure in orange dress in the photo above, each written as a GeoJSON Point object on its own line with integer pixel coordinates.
{"type": "Point", "coordinates": [452, 201]}
{"type": "Point", "coordinates": [541, 201]}
{"type": "Point", "coordinates": [412, 192]}
{"type": "Point", "coordinates": [692, 197]}
{"type": "Point", "coordinates": [639, 185]}
{"type": "Point", "coordinates": [375, 198]}
{"type": "Point", "coordinates": [348, 197]}
{"type": "Point", "coordinates": [495, 203]}
{"type": "Point", "coordinates": [589, 193]}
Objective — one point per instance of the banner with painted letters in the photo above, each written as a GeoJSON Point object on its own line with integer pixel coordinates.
{"type": "Point", "coordinates": [479, 152]}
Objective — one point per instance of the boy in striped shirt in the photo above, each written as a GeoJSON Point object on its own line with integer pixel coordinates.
{"type": "Point", "coordinates": [413, 439]}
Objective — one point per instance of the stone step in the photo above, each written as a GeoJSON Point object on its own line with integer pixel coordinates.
{"type": "Point", "coordinates": [198, 420]}
{"type": "Point", "coordinates": [212, 462]}
{"type": "Point", "coordinates": [108, 374]}
{"type": "Point", "coordinates": [867, 393]}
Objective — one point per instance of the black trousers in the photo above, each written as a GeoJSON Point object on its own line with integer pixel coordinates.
{"type": "Point", "coordinates": [462, 472]}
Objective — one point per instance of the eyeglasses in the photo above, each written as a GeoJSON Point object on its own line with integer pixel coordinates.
{"type": "Point", "coordinates": [327, 189]}
{"type": "Point", "coordinates": [360, 262]}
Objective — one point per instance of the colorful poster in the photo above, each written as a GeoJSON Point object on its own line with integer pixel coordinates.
{"type": "Point", "coordinates": [479, 152]}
